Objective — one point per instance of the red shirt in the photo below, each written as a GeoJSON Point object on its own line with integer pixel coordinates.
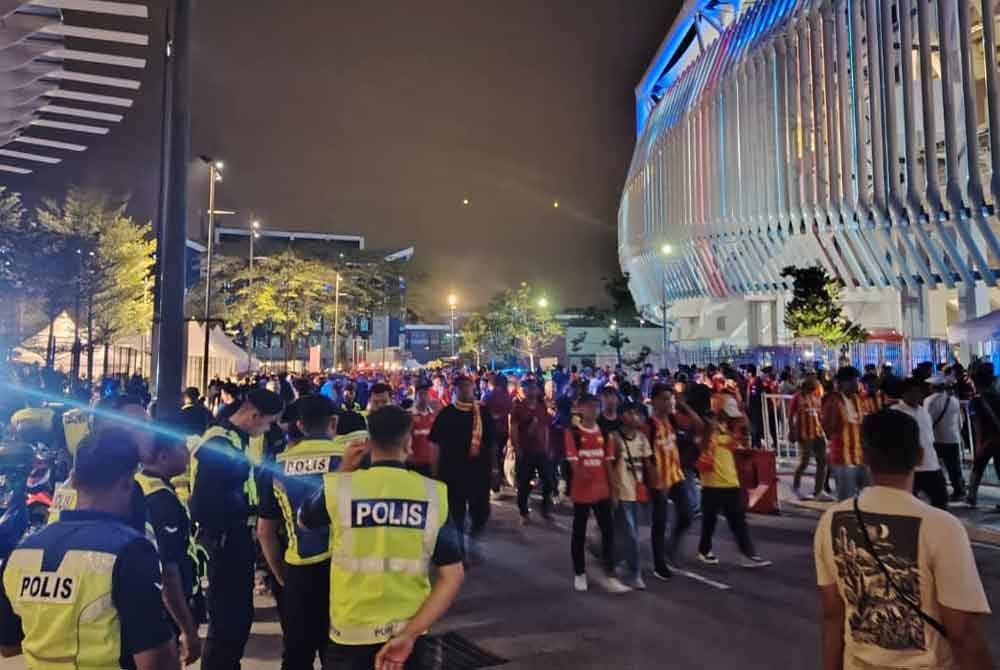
{"type": "Point", "coordinates": [421, 447]}
{"type": "Point", "coordinates": [532, 427]}
{"type": "Point", "coordinates": [590, 474]}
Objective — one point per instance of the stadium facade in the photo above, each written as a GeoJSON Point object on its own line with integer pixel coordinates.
{"type": "Point", "coordinates": [860, 135]}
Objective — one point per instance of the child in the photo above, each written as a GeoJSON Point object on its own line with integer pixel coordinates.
{"type": "Point", "coordinates": [633, 458]}
{"type": "Point", "coordinates": [590, 457]}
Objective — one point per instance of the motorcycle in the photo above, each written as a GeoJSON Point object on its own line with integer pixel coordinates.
{"type": "Point", "coordinates": [49, 467]}
{"type": "Point", "coordinates": [15, 463]}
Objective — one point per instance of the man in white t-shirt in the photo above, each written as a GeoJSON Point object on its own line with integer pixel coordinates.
{"type": "Point", "coordinates": [901, 588]}
{"type": "Point", "coordinates": [928, 479]}
{"type": "Point", "coordinates": [946, 416]}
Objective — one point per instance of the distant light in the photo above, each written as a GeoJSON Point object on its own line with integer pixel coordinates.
{"type": "Point", "coordinates": [667, 249]}
{"type": "Point", "coordinates": [219, 165]}
{"type": "Point", "coordinates": [556, 204]}
{"type": "Point", "coordinates": [465, 201]}
{"type": "Point", "coordinates": [543, 303]}
{"type": "Point", "coordinates": [452, 300]}
{"type": "Point", "coordinates": [256, 224]}
{"type": "Point", "coordinates": [256, 235]}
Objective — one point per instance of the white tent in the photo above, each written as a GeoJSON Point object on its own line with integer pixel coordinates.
{"type": "Point", "coordinates": [126, 354]}
{"type": "Point", "coordinates": [980, 329]}
{"type": "Point", "coordinates": [224, 357]}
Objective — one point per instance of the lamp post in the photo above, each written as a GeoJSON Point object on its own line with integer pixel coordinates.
{"type": "Point", "coordinates": [214, 175]}
{"type": "Point", "coordinates": [452, 303]}
{"type": "Point", "coordinates": [254, 234]}
{"type": "Point", "coordinates": [667, 250]}
{"type": "Point", "coordinates": [336, 320]}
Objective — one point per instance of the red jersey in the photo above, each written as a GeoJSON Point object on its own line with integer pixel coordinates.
{"type": "Point", "coordinates": [589, 462]}
{"type": "Point", "coordinates": [421, 448]}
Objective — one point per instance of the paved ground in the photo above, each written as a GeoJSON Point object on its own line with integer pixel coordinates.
{"type": "Point", "coordinates": [519, 604]}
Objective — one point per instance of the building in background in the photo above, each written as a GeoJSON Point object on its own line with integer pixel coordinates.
{"type": "Point", "coordinates": [861, 136]}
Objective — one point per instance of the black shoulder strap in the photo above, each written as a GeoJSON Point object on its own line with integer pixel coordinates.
{"type": "Point", "coordinates": [947, 404]}
{"type": "Point", "coordinates": [907, 598]}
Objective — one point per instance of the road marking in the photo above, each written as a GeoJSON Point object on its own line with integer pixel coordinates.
{"type": "Point", "coordinates": [704, 580]}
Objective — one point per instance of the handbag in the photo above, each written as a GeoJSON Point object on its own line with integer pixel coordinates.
{"type": "Point", "coordinates": [906, 597]}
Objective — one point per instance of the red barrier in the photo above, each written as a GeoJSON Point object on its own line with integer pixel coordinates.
{"type": "Point", "coordinates": [758, 473]}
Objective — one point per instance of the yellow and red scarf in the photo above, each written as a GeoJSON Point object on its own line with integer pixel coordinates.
{"type": "Point", "coordinates": [666, 455]}
{"type": "Point", "coordinates": [477, 426]}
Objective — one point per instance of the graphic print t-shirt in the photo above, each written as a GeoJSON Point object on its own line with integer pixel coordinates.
{"type": "Point", "coordinates": [590, 477]}
{"type": "Point", "coordinates": [928, 554]}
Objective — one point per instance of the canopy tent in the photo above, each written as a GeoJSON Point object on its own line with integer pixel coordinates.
{"type": "Point", "coordinates": [980, 329]}
{"type": "Point", "coordinates": [223, 353]}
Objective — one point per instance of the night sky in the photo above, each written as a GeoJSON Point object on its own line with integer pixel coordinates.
{"type": "Point", "coordinates": [379, 118]}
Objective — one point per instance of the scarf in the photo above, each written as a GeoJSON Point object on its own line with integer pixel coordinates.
{"type": "Point", "coordinates": [666, 455]}
{"type": "Point", "coordinates": [475, 444]}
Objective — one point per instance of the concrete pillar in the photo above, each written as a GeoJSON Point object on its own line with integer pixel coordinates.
{"type": "Point", "coordinates": [754, 321]}
{"type": "Point", "coordinates": [973, 301]}
{"type": "Point", "coordinates": [915, 311]}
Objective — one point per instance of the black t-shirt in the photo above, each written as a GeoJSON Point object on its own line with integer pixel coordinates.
{"type": "Point", "coordinates": [447, 548]}
{"type": "Point", "coordinates": [218, 500]}
{"type": "Point", "coordinates": [452, 432]}
{"type": "Point", "coordinates": [173, 528]}
{"type": "Point", "coordinates": [608, 426]}
{"type": "Point", "coordinates": [349, 421]}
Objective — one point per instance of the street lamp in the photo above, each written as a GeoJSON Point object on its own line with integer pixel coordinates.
{"type": "Point", "coordinates": [543, 302]}
{"type": "Point", "coordinates": [214, 175]}
{"type": "Point", "coordinates": [254, 235]}
{"type": "Point", "coordinates": [452, 303]}
{"type": "Point", "coordinates": [667, 250]}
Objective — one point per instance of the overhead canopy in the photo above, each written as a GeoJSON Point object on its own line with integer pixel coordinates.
{"type": "Point", "coordinates": [219, 347]}
{"type": "Point", "coordinates": [976, 330]}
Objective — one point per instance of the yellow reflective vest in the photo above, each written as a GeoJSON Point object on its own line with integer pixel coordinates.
{"type": "Point", "coordinates": [184, 484]}
{"type": "Point", "coordinates": [62, 593]}
{"type": "Point", "coordinates": [298, 475]}
{"type": "Point", "coordinates": [197, 571]}
{"type": "Point", "coordinates": [384, 523]}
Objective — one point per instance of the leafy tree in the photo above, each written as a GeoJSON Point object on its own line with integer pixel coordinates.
{"type": "Point", "coordinates": [576, 343]}
{"type": "Point", "coordinates": [291, 293]}
{"type": "Point", "coordinates": [521, 324]}
{"type": "Point", "coordinates": [17, 265]}
{"type": "Point", "coordinates": [475, 336]}
{"type": "Point", "coordinates": [814, 312]}
{"type": "Point", "coordinates": [616, 340]}
{"type": "Point", "coordinates": [122, 304]}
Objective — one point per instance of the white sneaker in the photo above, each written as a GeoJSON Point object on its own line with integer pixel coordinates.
{"type": "Point", "coordinates": [614, 585]}
{"type": "Point", "coordinates": [823, 496]}
{"type": "Point", "coordinates": [636, 584]}
{"type": "Point", "coordinates": [580, 583]}
{"type": "Point", "coordinates": [754, 562]}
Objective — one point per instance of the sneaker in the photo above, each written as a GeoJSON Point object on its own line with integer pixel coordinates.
{"type": "Point", "coordinates": [525, 520]}
{"type": "Point", "coordinates": [709, 558]}
{"type": "Point", "coordinates": [806, 496]}
{"type": "Point", "coordinates": [580, 583]}
{"type": "Point", "coordinates": [636, 584]}
{"type": "Point", "coordinates": [614, 585]}
{"type": "Point", "coordinates": [754, 562]}
{"type": "Point", "coordinates": [663, 574]}
{"type": "Point", "coordinates": [823, 496]}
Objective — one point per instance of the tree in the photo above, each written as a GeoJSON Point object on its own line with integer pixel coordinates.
{"type": "Point", "coordinates": [616, 340]}
{"type": "Point", "coordinates": [18, 245]}
{"type": "Point", "coordinates": [123, 298]}
{"type": "Point", "coordinates": [475, 336]}
{"type": "Point", "coordinates": [814, 312]}
{"type": "Point", "coordinates": [521, 323]}
{"type": "Point", "coordinates": [291, 293]}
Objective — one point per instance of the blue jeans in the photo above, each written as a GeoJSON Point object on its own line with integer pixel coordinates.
{"type": "Point", "coordinates": [691, 489]}
{"type": "Point", "coordinates": [850, 480]}
{"type": "Point", "coordinates": [629, 514]}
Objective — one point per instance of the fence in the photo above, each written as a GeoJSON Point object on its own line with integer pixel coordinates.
{"type": "Point", "coordinates": [777, 424]}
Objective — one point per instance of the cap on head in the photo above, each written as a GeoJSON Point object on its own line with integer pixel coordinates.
{"type": "Point", "coordinates": [266, 402]}
{"type": "Point", "coordinates": [731, 408]}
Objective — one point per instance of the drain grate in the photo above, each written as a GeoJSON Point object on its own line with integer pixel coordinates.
{"type": "Point", "coordinates": [451, 651]}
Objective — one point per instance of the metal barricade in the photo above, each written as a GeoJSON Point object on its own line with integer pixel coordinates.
{"type": "Point", "coordinates": [777, 424]}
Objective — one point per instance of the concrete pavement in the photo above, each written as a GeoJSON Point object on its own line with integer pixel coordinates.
{"type": "Point", "coordinates": [519, 604]}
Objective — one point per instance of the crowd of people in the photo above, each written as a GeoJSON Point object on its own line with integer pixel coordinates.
{"type": "Point", "coordinates": [345, 489]}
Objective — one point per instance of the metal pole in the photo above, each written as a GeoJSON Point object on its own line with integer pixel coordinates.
{"type": "Point", "coordinates": [452, 331]}
{"type": "Point", "coordinates": [664, 364]}
{"type": "Point", "coordinates": [336, 321]}
{"type": "Point", "coordinates": [208, 274]}
{"type": "Point", "coordinates": [253, 234]}
{"type": "Point", "coordinates": [170, 358]}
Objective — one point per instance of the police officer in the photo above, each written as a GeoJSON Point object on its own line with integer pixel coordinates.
{"type": "Point", "coordinates": [304, 570]}
{"type": "Point", "coordinates": [167, 458]}
{"type": "Point", "coordinates": [87, 588]}
{"type": "Point", "coordinates": [223, 499]}
{"type": "Point", "coordinates": [388, 525]}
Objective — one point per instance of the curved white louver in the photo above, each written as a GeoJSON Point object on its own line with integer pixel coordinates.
{"type": "Point", "coordinates": [61, 83]}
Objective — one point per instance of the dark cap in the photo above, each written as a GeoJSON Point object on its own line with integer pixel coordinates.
{"type": "Point", "coordinates": [633, 406]}
{"type": "Point", "coordinates": [266, 402]}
